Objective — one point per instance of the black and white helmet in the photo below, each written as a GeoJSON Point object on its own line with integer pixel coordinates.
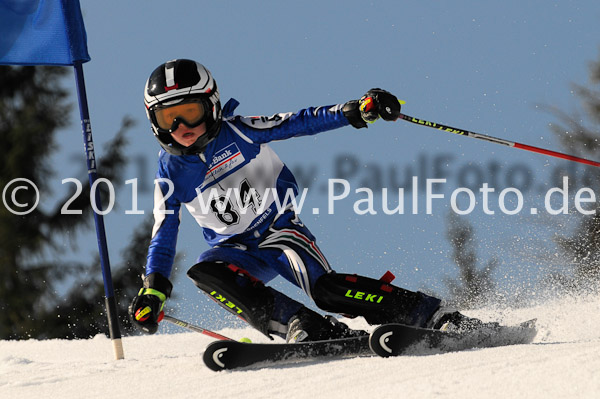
{"type": "Point", "coordinates": [182, 81]}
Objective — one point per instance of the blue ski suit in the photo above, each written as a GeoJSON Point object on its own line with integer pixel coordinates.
{"type": "Point", "coordinates": [236, 190]}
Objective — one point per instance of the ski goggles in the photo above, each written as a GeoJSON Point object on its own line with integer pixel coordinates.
{"type": "Point", "coordinates": [167, 118]}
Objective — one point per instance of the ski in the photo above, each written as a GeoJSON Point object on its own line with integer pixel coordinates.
{"type": "Point", "coordinates": [398, 339]}
{"type": "Point", "coordinates": [228, 355]}
{"type": "Point", "coordinates": [386, 340]}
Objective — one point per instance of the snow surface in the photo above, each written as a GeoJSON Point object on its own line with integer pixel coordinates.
{"type": "Point", "coordinates": [563, 362]}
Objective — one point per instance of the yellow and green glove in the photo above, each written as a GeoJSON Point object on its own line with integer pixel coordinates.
{"type": "Point", "coordinates": [146, 309]}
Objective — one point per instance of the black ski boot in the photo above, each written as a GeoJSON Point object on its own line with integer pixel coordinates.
{"type": "Point", "coordinates": [307, 325]}
{"type": "Point", "coordinates": [450, 320]}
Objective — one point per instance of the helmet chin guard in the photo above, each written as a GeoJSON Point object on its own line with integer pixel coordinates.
{"type": "Point", "coordinates": [178, 81]}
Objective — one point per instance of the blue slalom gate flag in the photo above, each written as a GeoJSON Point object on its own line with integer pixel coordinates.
{"type": "Point", "coordinates": [42, 32]}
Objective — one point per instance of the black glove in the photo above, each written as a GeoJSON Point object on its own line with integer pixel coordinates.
{"type": "Point", "coordinates": [374, 104]}
{"type": "Point", "coordinates": [146, 309]}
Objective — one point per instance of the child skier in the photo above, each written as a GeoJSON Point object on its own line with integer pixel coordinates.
{"type": "Point", "coordinates": [209, 154]}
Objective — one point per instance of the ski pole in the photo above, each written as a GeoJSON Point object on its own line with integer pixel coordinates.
{"type": "Point", "coordinates": [195, 328]}
{"type": "Point", "coordinates": [508, 143]}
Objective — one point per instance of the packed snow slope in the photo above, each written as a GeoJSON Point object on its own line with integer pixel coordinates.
{"type": "Point", "coordinates": [563, 362]}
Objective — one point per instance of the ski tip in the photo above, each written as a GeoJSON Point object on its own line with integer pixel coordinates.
{"type": "Point", "coordinates": [382, 339]}
{"type": "Point", "coordinates": [215, 356]}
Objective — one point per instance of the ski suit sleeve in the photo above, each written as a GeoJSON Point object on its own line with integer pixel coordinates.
{"type": "Point", "coordinates": [161, 252]}
{"type": "Point", "coordinates": [309, 121]}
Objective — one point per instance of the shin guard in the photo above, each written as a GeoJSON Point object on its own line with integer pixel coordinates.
{"type": "Point", "coordinates": [377, 301]}
{"type": "Point", "coordinates": [235, 290]}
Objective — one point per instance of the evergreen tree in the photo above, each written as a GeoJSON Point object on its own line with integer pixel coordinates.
{"type": "Point", "coordinates": [82, 313]}
{"type": "Point", "coordinates": [474, 285]}
{"type": "Point", "coordinates": [33, 106]}
{"type": "Point", "coordinates": [580, 135]}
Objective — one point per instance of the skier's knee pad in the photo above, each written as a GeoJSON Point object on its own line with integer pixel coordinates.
{"type": "Point", "coordinates": [235, 290]}
{"type": "Point", "coordinates": [377, 301]}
